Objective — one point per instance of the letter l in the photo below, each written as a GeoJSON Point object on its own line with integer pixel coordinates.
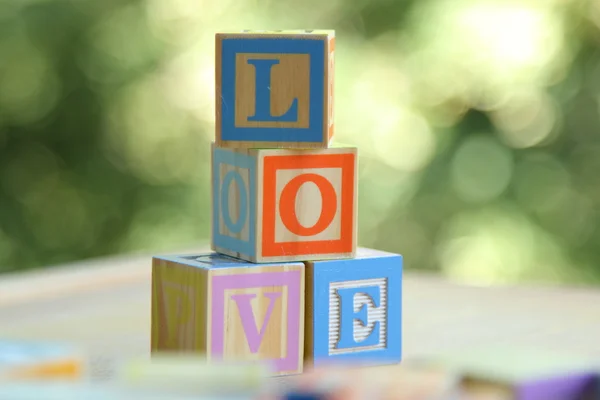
{"type": "Point", "coordinates": [262, 105]}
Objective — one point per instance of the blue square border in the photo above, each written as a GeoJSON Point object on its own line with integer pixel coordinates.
{"type": "Point", "coordinates": [327, 272]}
{"type": "Point", "coordinates": [316, 51]}
{"type": "Point", "coordinates": [222, 156]}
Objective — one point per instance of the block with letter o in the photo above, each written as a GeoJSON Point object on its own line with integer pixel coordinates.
{"type": "Point", "coordinates": [285, 205]}
{"type": "Point", "coordinates": [354, 309]}
{"type": "Point", "coordinates": [274, 89]}
{"type": "Point", "coordinates": [234, 202]}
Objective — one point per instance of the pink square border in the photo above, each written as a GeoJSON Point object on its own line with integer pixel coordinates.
{"type": "Point", "coordinates": [291, 279]}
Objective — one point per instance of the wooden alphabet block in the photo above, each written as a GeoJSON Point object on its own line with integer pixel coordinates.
{"type": "Point", "coordinates": [39, 360]}
{"type": "Point", "coordinates": [274, 89]}
{"type": "Point", "coordinates": [353, 309]}
{"type": "Point", "coordinates": [522, 374]}
{"type": "Point", "coordinates": [229, 310]}
{"type": "Point", "coordinates": [284, 205]}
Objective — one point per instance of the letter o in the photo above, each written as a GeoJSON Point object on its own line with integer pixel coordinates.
{"type": "Point", "coordinates": [287, 205]}
{"type": "Point", "coordinates": [243, 203]}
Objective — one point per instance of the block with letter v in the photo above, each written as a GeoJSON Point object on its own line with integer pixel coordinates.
{"type": "Point", "coordinates": [229, 309]}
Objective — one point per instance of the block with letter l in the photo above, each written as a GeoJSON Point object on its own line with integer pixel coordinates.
{"type": "Point", "coordinates": [274, 89]}
{"type": "Point", "coordinates": [276, 205]}
{"type": "Point", "coordinates": [229, 309]}
{"type": "Point", "coordinates": [353, 309]}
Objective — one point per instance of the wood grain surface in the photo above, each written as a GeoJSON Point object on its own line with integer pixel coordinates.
{"type": "Point", "coordinates": [295, 82]}
{"type": "Point", "coordinates": [275, 205]}
{"type": "Point", "coordinates": [104, 306]}
{"type": "Point", "coordinates": [230, 310]}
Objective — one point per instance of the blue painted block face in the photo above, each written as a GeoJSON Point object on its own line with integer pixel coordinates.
{"type": "Point", "coordinates": [356, 307]}
{"type": "Point", "coordinates": [24, 352]}
{"type": "Point", "coordinates": [233, 203]}
{"type": "Point", "coordinates": [272, 88]}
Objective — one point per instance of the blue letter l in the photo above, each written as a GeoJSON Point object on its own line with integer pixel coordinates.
{"type": "Point", "coordinates": [262, 106]}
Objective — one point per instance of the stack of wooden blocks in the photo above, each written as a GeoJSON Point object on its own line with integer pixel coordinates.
{"type": "Point", "coordinates": [286, 285]}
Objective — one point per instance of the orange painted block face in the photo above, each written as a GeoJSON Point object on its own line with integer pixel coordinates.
{"type": "Point", "coordinates": [284, 205]}
{"type": "Point", "coordinates": [32, 360]}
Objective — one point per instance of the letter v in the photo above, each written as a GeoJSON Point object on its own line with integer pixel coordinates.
{"type": "Point", "coordinates": [254, 335]}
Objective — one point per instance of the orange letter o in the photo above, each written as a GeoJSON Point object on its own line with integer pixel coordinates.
{"type": "Point", "coordinates": [287, 205]}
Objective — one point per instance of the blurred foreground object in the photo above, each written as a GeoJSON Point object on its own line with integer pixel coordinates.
{"type": "Point", "coordinates": [193, 375]}
{"type": "Point", "coordinates": [409, 382]}
{"type": "Point", "coordinates": [524, 374]}
{"type": "Point", "coordinates": [487, 374]}
{"type": "Point", "coordinates": [494, 374]}
{"type": "Point", "coordinates": [50, 390]}
{"type": "Point", "coordinates": [38, 360]}
{"type": "Point", "coordinates": [169, 376]}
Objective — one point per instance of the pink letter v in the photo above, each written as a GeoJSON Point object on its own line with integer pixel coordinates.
{"type": "Point", "coordinates": [253, 335]}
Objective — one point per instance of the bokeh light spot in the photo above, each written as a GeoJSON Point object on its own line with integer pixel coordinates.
{"type": "Point", "coordinates": [481, 51]}
{"type": "Point", "coordinates": [61, 220]}
{"type": "Point", "coordinates": [150, 135]}
{"type": "Point", "coordinates": [481, 169]}
{"type": "Point", "coordinates": [31, 172]}
{"type": "Point", "coordinates": [526, 119]}
{"type": "Point", "coordinates": [29, 88]}
{"type": "Point", "coordinates": [403, 139]}
{"type": "Point", "coordinates": [498, 245]}
{"type": "Point", "coordinates": [541, 183]}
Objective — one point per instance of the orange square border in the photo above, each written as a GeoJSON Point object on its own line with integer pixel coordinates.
{"type": "Point", "coordinates": [272, 164]}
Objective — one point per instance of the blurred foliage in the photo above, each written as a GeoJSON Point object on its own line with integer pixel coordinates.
{"type": "Point", "coordinates": [478, 124]}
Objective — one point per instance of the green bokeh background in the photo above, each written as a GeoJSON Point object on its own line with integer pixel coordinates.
{"type": "Point", "coordinates": [478, 125]}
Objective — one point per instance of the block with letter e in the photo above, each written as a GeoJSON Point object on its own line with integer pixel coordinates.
{"type": "Point", "coordinates": [353, 310]}
{"type": "Point", "coordinates": [274, 89]}
{"type": "Point", "coordinates": [273, 205]}
{"type": "Point", "coordinates": [229, 310]}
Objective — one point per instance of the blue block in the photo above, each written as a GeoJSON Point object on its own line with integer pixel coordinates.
{"type": "Point", "coordinates": [237, 235]}
{"type": "Point", "coordinates": [354, 309]}
{"type": "Point", "coordinates": [250, 69]}
{"type": "Point", "coordinates": [18, 353]}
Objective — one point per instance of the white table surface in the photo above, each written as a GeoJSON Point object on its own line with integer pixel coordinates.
{"type": "Point", "coordinates": [104, 306]}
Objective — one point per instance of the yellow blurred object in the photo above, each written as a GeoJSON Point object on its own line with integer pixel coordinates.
{"type": "Point", "coordinates": [34, 361]}
{"type": "Point", "coordinates": [71, 369]}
